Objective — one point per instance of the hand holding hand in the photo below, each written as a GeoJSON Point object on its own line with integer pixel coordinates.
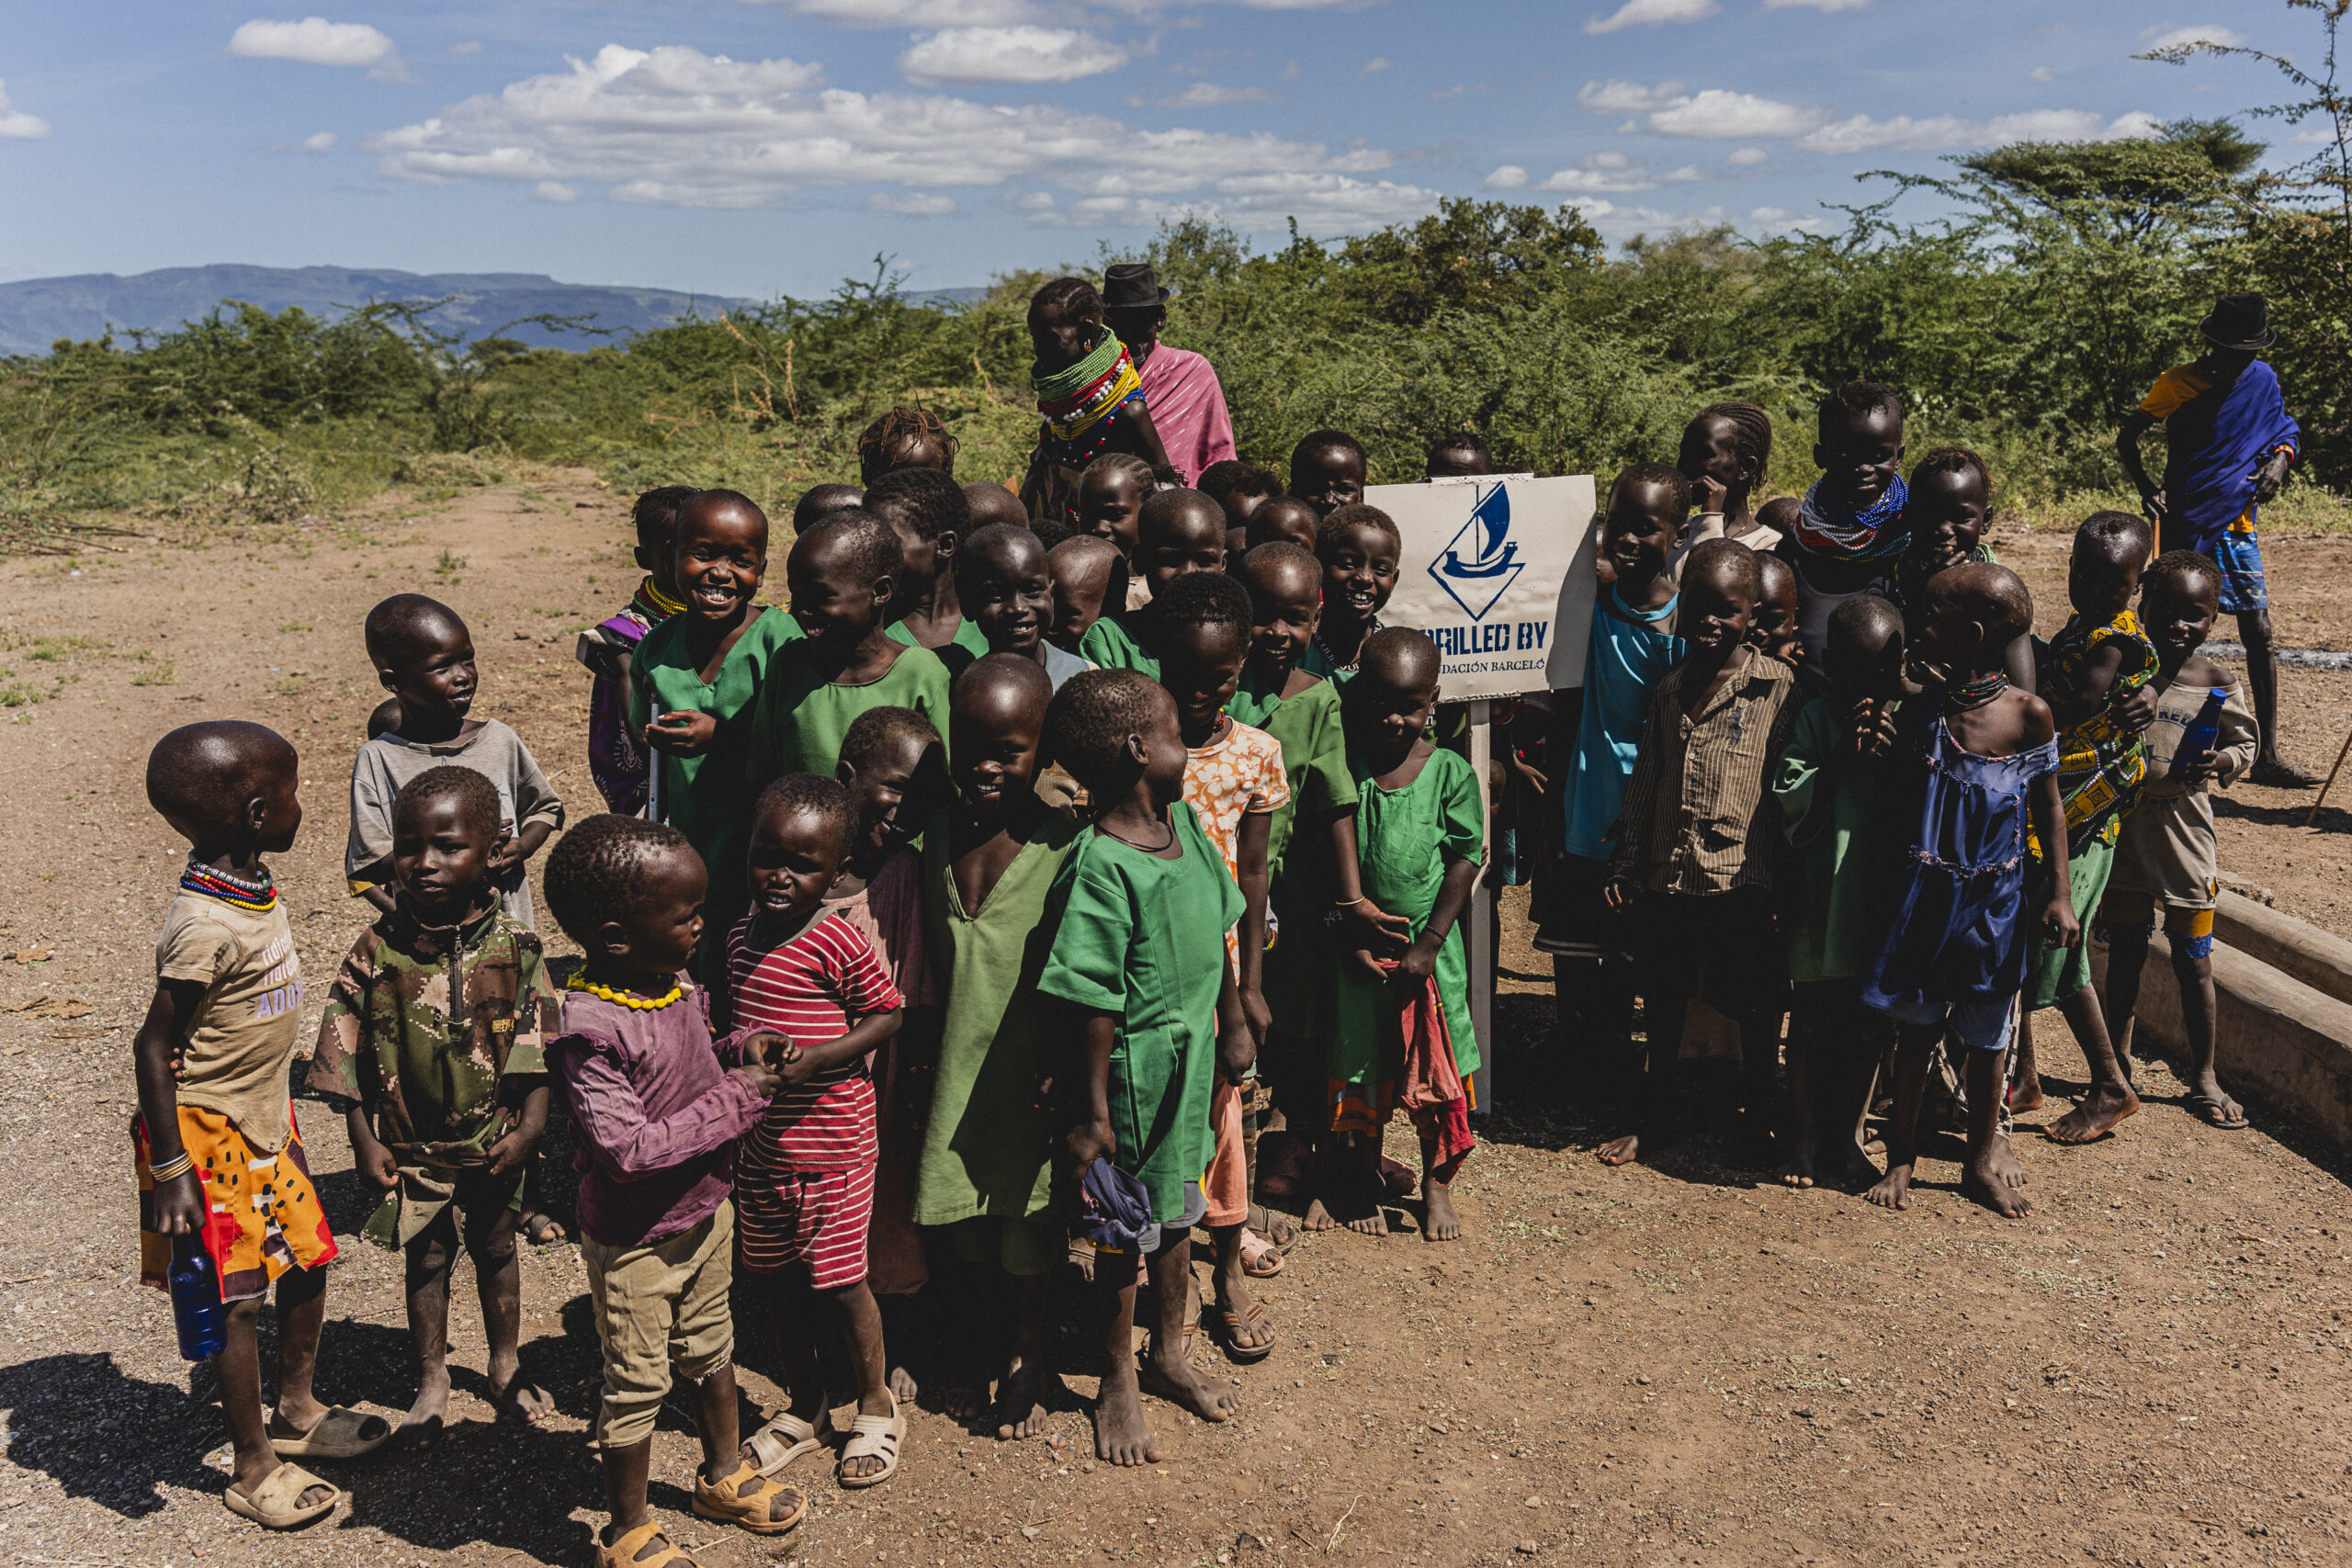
{"type": "Point", "coordinates": [763, 1077]}
{"type": "Point", "coordinates": [1373, 927]}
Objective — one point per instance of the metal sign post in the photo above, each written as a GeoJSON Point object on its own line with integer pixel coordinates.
{"type": "Point", "coordinates": [1497, 569]}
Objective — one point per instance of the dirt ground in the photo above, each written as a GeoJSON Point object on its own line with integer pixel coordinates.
{"type": "Point", "coordinates": [1660, 1365]}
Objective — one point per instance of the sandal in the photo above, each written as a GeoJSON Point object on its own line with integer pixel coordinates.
{"type": "Point", "coordinates": [275, 1505]}
{"type": "Point", "coordinates": [1228, 1326]}
{"type": "Point", "coordinates": [1261, 1259]}
{"type": "Point", "coordinates": [623, 1554]}
{"type": "Point", "coordinates": [1279, 1231]}
{"type": "Point", "coordinates": [2220, 1112]}
{"type": "Point", "coordinates": [746, 1500]}
{"type": "Point", "coordinates": [873, 1437]}
{"type": "Point", "coordinates": [335, 1435]}
{"type": "Point", "coordinates": [785, 1438]}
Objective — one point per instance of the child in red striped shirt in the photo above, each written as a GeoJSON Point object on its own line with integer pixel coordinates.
{"type": "Point", "coordinates": [804, 1178]}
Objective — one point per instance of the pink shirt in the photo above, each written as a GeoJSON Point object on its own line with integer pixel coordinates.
{"type": "Point", "coordinates": [811, 989]}
{"type": "Point", "coordinates": [1187, 408]}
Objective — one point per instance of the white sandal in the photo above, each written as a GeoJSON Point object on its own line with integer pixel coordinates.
{"type": "Point", "coordinates": [785, 1438]}
{"type": "Point", "coordinates": [873, 1437]}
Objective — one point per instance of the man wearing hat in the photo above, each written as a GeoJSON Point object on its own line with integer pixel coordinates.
{"type": "Point", "coordinates": [2229, 443]}
{"type": "Point", "coordinates": [1178, 386]}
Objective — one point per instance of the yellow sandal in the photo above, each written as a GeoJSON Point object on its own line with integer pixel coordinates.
{"type": "Point", "coordinates": [747, 1499]}
{"type": "Point", "coordinates": [624, 1552]}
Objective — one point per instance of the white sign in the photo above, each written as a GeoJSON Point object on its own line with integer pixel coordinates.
{"type": "Point", "coordinates": [1498, 571]}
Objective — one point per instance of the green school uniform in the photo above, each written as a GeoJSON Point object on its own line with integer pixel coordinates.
{"type": "Point", "coordinates": [1144, 938]}
{"type": "Point", "coordinates": [801, 717]}
{"type": "Point", "coordinates": [1111, 643]}
{"type": "Point", "coordinates": [988, 1148]}
{"type": "Point", "coordinates": [1827, 806]}
{"type": "Point", "coordinates": [1405, 839]}
{"type": "Point", "coordinates": [965, 646]}
{"type": "Point", "coordinates": [707, 797]}
{"type": "Point", "coordinates": [1300, 886]}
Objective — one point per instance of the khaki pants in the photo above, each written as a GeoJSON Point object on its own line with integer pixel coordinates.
{"type": "Point", "coordinates": [655, 1307]}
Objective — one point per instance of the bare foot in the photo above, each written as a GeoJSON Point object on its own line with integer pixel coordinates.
{"type": "Point", "coordinates": [1020, 1404]}
{"type": "Point", "coordinates": [965, 1397]}
{"type": "Point", "coordinates": [2003, 1160]}
{"type": "Point", "coordinates": [2027, 1096]}
{"type": "Point", "coordinates": [1620, 1151]}
{"type": "Point", "coordinates": [518, 1395]}
{"type": "Point", "coordinates": [421, 1428]}
{"type": "Point", "coordinates": [2095, 1115]}
{"type": "Point", "coordinates": [1354, 1204]}
{"type": "Point", "coordinates": [1121, 1434]}
{"type": "Point", "coordinates": [1318, 1218]}
{"type": "Point", "coordinates": [903, 1384]}
{"type": "Point", "coordinates": [1439, 1220]}
{"type": "Point", "coordinates": [1983, 1181]}
{"type": "Point", "coordinates": [1797, 1170]}
{"type": "Point", "coordinates": [1894, 1189]}
{"type": "Point", "coordinates": [1176, 1379]}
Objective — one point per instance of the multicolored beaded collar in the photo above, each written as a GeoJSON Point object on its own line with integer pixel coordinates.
{"type": "Point", "coordinates": [256, 897]}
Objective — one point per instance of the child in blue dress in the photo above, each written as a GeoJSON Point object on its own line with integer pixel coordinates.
{"type": "Point", "coordinates": [1975, 763]}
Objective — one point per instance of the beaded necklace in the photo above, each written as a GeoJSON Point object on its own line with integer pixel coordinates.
{"type": "Point", "coordinates": [1328, 657]}
{"type": "Point", "coordinates": [658, 600]}
{"type": "Point", "coordinates": [623, 998]}
{"type": "Point", "coordinates": [1966, 696]}
{"type": "Point", "coordinates": [256, 897]}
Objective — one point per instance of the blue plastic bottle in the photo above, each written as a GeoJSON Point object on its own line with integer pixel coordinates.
{"type": "Point", "coordinates": [196, 1300]}
{"type": "Point", "coordinates": [2196, 740]}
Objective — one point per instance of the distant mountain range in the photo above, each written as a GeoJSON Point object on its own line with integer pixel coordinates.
{"type": "Point", "coordinates": [38, 311]}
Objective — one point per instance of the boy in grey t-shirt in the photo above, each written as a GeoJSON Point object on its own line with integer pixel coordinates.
{"type": "Point", "coordinates": [425, 655]}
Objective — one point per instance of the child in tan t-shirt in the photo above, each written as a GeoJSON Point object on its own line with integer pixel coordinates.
{"type": "Point", "coordinates": [215, 1127]}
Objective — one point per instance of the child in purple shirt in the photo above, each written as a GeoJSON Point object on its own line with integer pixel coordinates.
{"type": "Point", "coordinates": [617, 759]}
{"type": "Point", "coordinates": [656, 1107]}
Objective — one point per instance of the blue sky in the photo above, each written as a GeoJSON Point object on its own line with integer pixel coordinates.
{"type": "Point", "coordinates": [752, 147]}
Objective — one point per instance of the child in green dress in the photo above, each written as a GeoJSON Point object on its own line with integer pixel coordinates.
{"type": "Point", "coordinates": [986, 1166]}
{"type": "Point", "coordinates": [1149, 1016]}
{"type": "Point", "coordinates": [932, 518]}
{"type": "Point", "coordinates": [842, 574]}
{"type": "Point", "coordinates": [1421, 828]}
{"type": "Point", "coordinates": [693, 687]}
{"type": "Point", "coordinates": [1180, 531]}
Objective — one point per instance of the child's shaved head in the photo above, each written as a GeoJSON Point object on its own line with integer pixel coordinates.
{"type": "Point", "coordinates": [878, 732]}
{"type": "Point", "coordinates": [992, 502]}
{"type": "Point", "coordinates": [597, 871]}
{"type": "Point", "coordinates": [1002, 683]}
{"type": "Point", "coordinates": [1205, 599]}
{"type": "Point", "coordinates": [704, 504]}
{"type": "Point", "coordinates": [812, 795]}
{"type": "Point", "coordinates": [823, 501]}
{"type": "Point", "coordinates": [1728, 564]}
{"type": "Point", "coordinates": [923, 500]}
{"type": "Point", "coordinates": [1173, 515]}
{"type": "Point", "coordinates": [1779, 514]}
{"type": "Point", "coordinates": [1401, 659]}
{"type": "Point", "coordinates": [1283, 569]}
{"type": "Point", "coordinates": [407, 627]}
{"type": "Point", "coordinates": [869, 547]}
{"type": "Point", "coordinates": [2124, 536]}
{"type": "Point", "coordinates": [202, 777]}
{"type": "Point", "coordinates": [1863, 622]}
{"type": "Point", "coordinates": [2183, 574]}
{"type": "Point", "coordinates": [1992, 595]}
{"type": "Point", "coordinates": [1091, 719]}
{"type": "Point", "coordinates": [997, 549]}
{"type": "Point", "coordinates": [1282, 517]}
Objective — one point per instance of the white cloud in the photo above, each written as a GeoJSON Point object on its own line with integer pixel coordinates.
{"type": "Point", "coordinates": [2041, 74]}
{"type": "Point", "coordinates": [1903, 133]}
{"type": "Point", "coordinates": [916, 13]}
{"type": "Point", "coordinates": [1719, 113]}
{"type": "Point", "coordinates": [314, 40]}
{"type": "Point", "coordinates": [2177, 38]}
{"type": "Point", "coordinates": [1008, 55]}
{"type": "Point", "coordinates": [554, 191]}
{"type": "Point", "coordinates": [1375, 65]}
{"type": "Point", "coordinates": [911, 203]}
{"type": "Point", "coordinates": [1614, 96]}
{"type": "Point", "coordinates": [1611, 172]}
{"type": "Point", "coordinates": [1510, 176]}
{"type": "Point", "coordinates": [465, 51]}
{"type": "Point", "coordinates": [15, 125]}
{"type": "Point", "coordinates": [1624, 223]}
{"type": "Point", "coordinates": [676, 126]}
{"type": "Point", "coordinates": [1817, 5]}
{"type": "Point", "coordinates": [1748, 158]}
{"type": "Point", "coordinates": [1640, 13]}
{"type": "Point", "coordinates": [1207, 95]}
{"type": "Point", "coordinates": [318, 141]}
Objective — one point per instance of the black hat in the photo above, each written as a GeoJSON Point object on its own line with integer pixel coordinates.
{"type": "Point", "coordinates": [1130, 286]}
{"type": "Point", "coordinates": [2239, 320]}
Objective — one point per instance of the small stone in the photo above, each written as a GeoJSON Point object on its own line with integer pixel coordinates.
{"type": "Point", "coordinates": [1527, 1547]}
{"type": "Point", "coordinates": [1645, 1381]}
{"type": "Point", "coordinates": [1028, 1532]}
{"type": "Point", "coordinates": [1803, 1413]}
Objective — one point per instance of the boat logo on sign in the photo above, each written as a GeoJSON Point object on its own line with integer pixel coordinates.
{"type": "Point", "coordinates": [1480, 564]}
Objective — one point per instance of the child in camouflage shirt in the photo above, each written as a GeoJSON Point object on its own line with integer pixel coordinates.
{"type": "Point", "coordinates": [431, 1044]}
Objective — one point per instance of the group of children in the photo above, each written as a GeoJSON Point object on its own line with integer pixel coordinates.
{"type": "Point", "coordinates": [986, 910]}
{"type": "Point", "coordinates": [1843, 783]}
